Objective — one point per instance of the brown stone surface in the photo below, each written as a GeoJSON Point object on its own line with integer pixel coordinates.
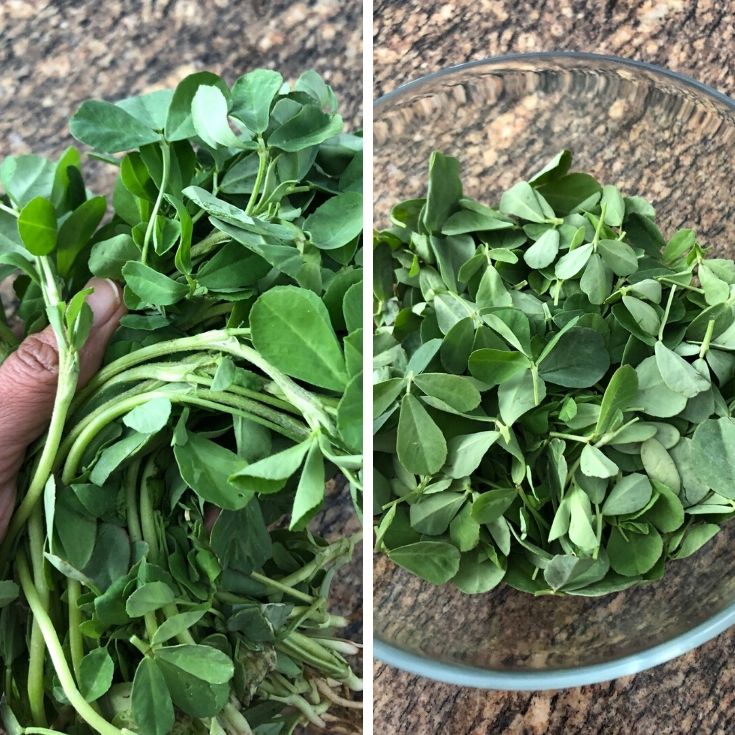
{"type": "Point", "coordinates": [691, 694]}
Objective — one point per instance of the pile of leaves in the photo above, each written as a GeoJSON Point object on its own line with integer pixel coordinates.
{"type": "Point", "coordinates": [159, 574]}
{"type": "Point", "coordinates": [553, 387]}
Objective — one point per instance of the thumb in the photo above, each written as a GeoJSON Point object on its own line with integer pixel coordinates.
{"type": "Point", "coordinates": [28, 380]}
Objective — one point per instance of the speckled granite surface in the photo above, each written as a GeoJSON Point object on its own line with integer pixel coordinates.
{"type": "Point", "coordinates": [413, 38]}
{"type": "Point", "coordinates": [692, 694]}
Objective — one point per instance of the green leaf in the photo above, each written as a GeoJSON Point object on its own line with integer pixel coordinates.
{"type": "Point", "coordinates": [659, 465]}
{"type": "Point", "coordinates": [336, 222]}
{"type": "Point", "coordinates": [148, 598]}
{"type": "Point", "coordinates": [149, 417]}
{"type": "Point", "coordinates": [26, 177]}
{"type": "Point", "coordinates": [349, 413]}
{"type": "Point", "coordinates": [518, 395]}
{"type": "Point", "coordinates": [9, 592]}
{"type": "Point", "coordinates": [526, 203]}
{"type": "Point", "coordinates": [151, 286]}
{"type": "Point", "coordinates": [619, 396]}
{"type": "Point", "coordinates": [109, 128]}
{"type": "Point", "coordinates": [678, 375]}
{"type": "Point", "coordinates": [628, 495]}
{"type": "Point", "coordinates": [76, 231]}
{"type": "Point", "coordinates": [179, 125]}
{"type": "Point", "coordinates": [464, 530]}
{"type": "Point", "coordinates": [435, 561]}
{"type": "Point", "coordinates": [695, 538]}
{"type": "Point", "coordinates": [454, 390]}
{"type": "Point", "coordinates": [619, 257]}
{"type": "Point", "coordinates": [578, 360]}
{"type": "Point", "coordinates": [635, 554]}
{"type": "Point", "coordinates": [209, 116]}
{"type": "Point", "coordinates": [310, 490]}
{"type": "Point", "coordinates": [654, 396]}
{"type": "Point", "coordinates": [644, 315]}
{"type": "Point", "coordinates": [203, 662]}
{"type": "Point", "coordinates": [554, 169]}
{"type": "Point", "coordinates": [477, 575]}
{"type": "Point", "coordinates": [252, 97]}
{"type": "Point", "coordinates": [613, 204]}
{"type": "Point", "coordinates": [465, 452]}
{"type": "Point", "coordinates": [713, 454]}
{"type": "Point", "coordinates": [150, 109]}
{"type": "Point", "coordinates": [488, 507]}
{"type": "Point", "coordinates": [594, 463]}
{"type": "Point", "coordinates": [269, 474]}
{"type": "Point", "coordinates": [308, 127]}
{"type": "Point", "coordinates": [175, 625]}
{"type": "Point", "coordinates": [235, 549]}
{"type": "Point", "coordinates": [206, 467]}
{"type": "Point", "coordinates": [291, 329]}
{"type": "Point", "coordinates": [432, 514]}
{"type": "Point", "coordinates": [544, 251]}
{"type": "Point", "coordinates": [95, 674]}
{"type": "Point", "coordinates": [667, 513]}
{"type": "Point", "coordinates": [37, 226]}
{"type": "Point", "coordinates": [151, 703]}
{"type": "Point", "coordinates": [572, 192]}
{"type": "Point", "coordinates": [581, 531]}
{"type": "Point", "coordinates": [107, 257]}
{"type": "Point", "coordinates": [494, 367]}
{"type": "Point", "coordinates": [421, 446]}
{"type": "Point", "coordinates": [596, 280]}
{"type": "Point", "coordinates": [563, 569]}
{"type": "Point", "coordinates": [444, 191]}
{"type": "Point", "coordinates": [570, 264]}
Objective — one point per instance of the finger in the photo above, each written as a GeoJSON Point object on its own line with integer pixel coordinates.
{"type": "Point", "coordinates": [28, 380]}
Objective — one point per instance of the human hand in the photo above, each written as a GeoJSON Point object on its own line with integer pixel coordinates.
{"type": "Point", "coordinates": [28, 381]}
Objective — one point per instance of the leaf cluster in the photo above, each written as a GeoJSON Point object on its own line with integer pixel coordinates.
{"type": "Point", "coordinates": [553, 387]}
{"type": "Point", "coordinates": [174, 559]}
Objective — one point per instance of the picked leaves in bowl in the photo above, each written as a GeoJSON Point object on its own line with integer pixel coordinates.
{"type": "Point", "coordinates": [553, 387]}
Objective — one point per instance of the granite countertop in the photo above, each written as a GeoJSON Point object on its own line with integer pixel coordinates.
{"type": "Point", "coordinates": [694, 693]}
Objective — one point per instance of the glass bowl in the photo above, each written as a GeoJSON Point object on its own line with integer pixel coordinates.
{"type": "Point", "coordinates": [653, 133]}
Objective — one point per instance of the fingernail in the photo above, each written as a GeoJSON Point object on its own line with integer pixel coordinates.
{"type": "Point", "coordinates": [105, 300]}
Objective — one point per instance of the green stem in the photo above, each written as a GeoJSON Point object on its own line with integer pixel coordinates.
{"type": "Point", "coordinates": [665, 317]}
{"type": "Point", "coordinates": [131, 498]}
{"type": "Point", "coordinates": [151, 229]}
{"type": "Point", "coordinates": [37, 648]}
{"type": "Point", "coordinates": [274, 584]}
{"type": "Point", "coordinates": [322, 558]}
{"type": "Point", "coordinates": [570, 437]}
{"type": "Point", "coordinates": [147, 513]}
{"type": "Point", "coordinates": [235, 718]}
{"type": "Point", "coordinates": [704, 349]}
{"type": "Point", "coordinates": [81, 435]}
{"type": "Point", "coordinates": [76, 644]}
{"type": "Point", "coordinates": [262, 168]}
{"type": "Point", "coordinates": [208, 244]}
{"type": "Point", "coordinates": [56, 652]}
{"type": "Point", "coordinates": [199, 342]}
{"type": "Point", "coordinates": [68, 374]}
{"type": "Point", "coordinates": [9, 210]}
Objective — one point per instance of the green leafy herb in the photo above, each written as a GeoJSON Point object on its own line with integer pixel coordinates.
{"type": "Point", "coordinates": [160, 563]}
{"type": "Point", "coordinates": [559, 406]}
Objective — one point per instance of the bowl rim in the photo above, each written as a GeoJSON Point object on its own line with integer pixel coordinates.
{"type": "Point", "coordinates": [549, 679]}
{"type": "Point", "coordinates": [684, 79]}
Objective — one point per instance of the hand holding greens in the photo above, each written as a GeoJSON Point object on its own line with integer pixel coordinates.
{"type": "Point", "coordinates": [553, 387]}
{"type": "Point", "coordinates": [160, 576]}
